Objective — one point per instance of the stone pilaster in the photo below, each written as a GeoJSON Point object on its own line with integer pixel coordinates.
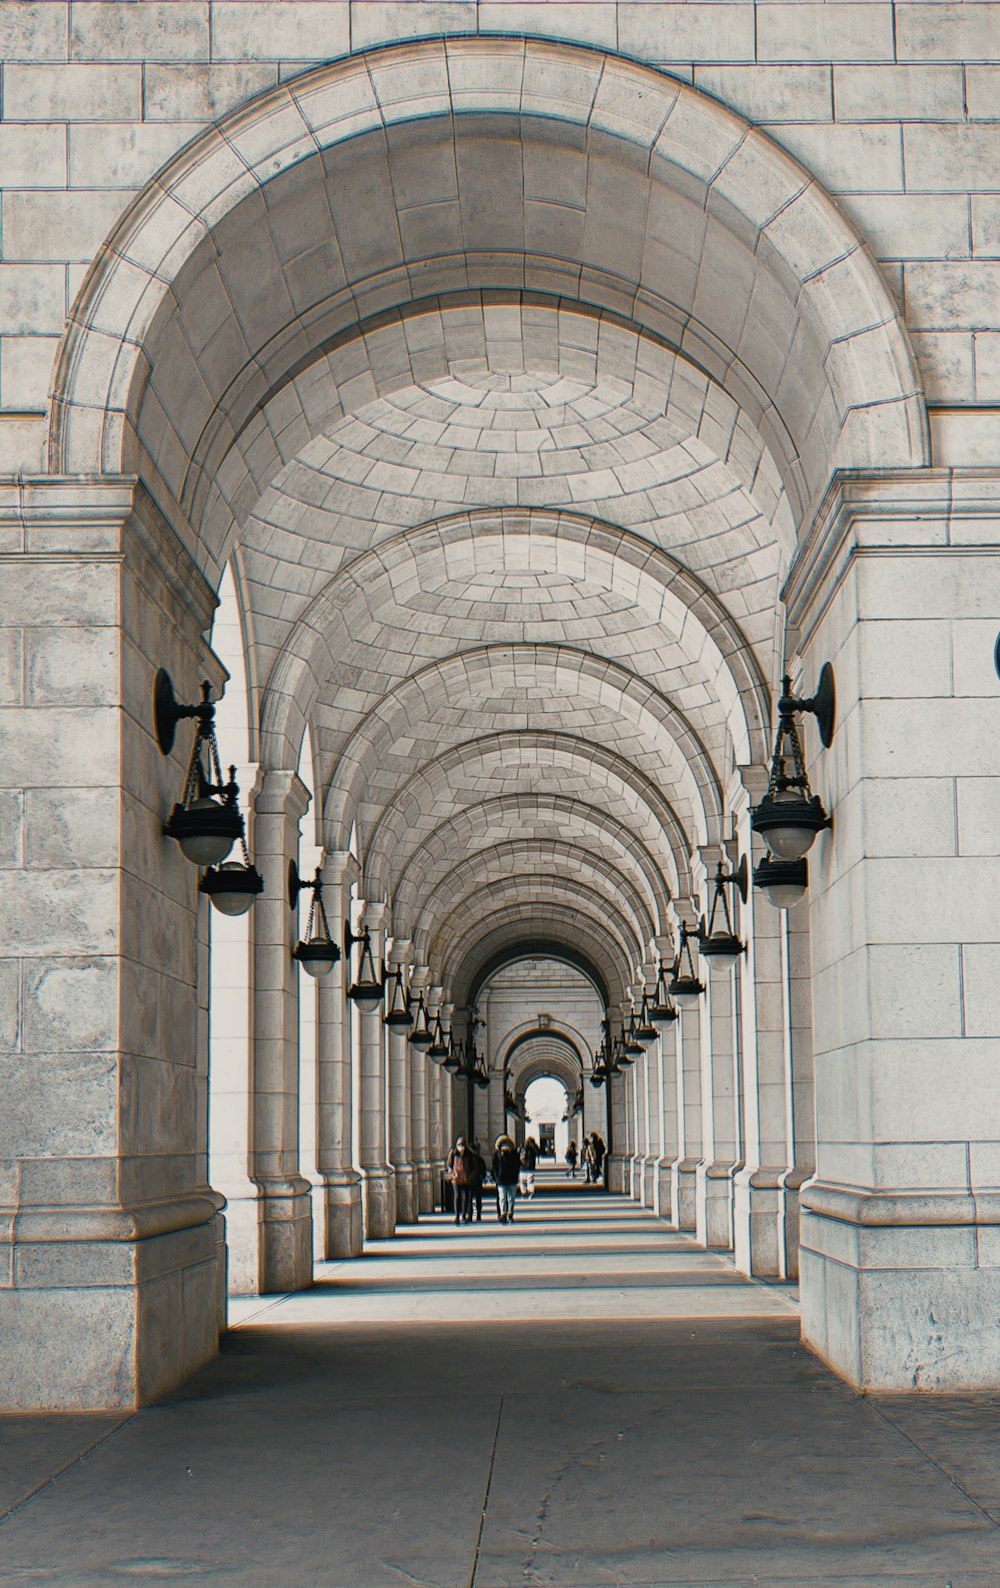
{"type": "Point", "coordinates": [898, 585]}
{"type": "Point", "coordinates": [720, 1101]}
{"type": "Point", "coordinates": [284, 1206]}
{"type": "Point", "coordinates": [112, 1266]}
{"type": "Point", "coordinates": [400, 1106]}
{"type": "Point", "coordinates": [378, 1188]}
{"type": "Point", "coordinates": [341, 1195]}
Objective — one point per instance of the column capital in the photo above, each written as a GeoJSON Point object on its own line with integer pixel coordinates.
{"type": "Point", "coordinates": [280, 793]}
{"type": "Point", "coordinates": [374, 914]}
{"type": "Point", "coordinates": [399, 953]}
{"type": "Point", "coordinates": [419, 977]}
{"type": "Point", "coordinates": [340, 868]}
{"type": "Point", "coordinates": [755, 779]}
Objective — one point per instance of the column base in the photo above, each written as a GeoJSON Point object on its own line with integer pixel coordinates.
{"type": "Point", "coordinates": [425, 1188]}
{"type": "Point", "coordinates": [286, 1235]}
{"type": "Point", "coordinates": [714, 1199]}
{"type": "Point", "coordinates": [407, 1208]}
{"type": "Point", "coordinates": [618, 1173]}
{"type": "Point", "coordinates": [635, 1177]}
{"type": "Point", "coordinates": [99, 1320]}
{"type": "Point", "coordinates": [378, 1200]}
{"type": "Point", "coordinates": [342, 1216]}
{"type": "Point", "coordinates": [684, 1193]}
{"type": "Point", "coordinates": [663, 1206]}
{"type": "Point", "coordinates": [762, 1207]}
{"type": "Point", "coordinates": [902, 1292]}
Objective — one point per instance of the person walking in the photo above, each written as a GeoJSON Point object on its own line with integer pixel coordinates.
{"type": "Point", "coordinates": [571, 1159]}
{"type": "Point", "coordinates": [588, 1160]}
{"type": "Point", "coordinates": [481, 1172]}
{"type": "Point", "coordinates": [597, 1143]}
{"type": "Point", "coordinates": [506, 1169]}
{"type": "Point", "coordinates": [462, 1171]}
{"type": "Point", "coordinates": [529, 1158]}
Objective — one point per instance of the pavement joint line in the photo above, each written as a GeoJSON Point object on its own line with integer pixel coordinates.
{"type": "Point", "coordinates": [486, 1497]}
{"type": "Point", "coordinates": [53, 1477]}
{"type": "Point", "coordinates": [914, 1445]}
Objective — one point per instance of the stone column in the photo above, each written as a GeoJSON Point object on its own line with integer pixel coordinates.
{"type": "Point", "coordinates": [801, 1082]}
{"type": "Point", "coordinates": [400, 1107]}
{"type": "Point", "coordinates": [719, 1089]}
{"type": "Point", "coordinates": [112, 1278]}
{"type": "Point", "coordinates": [684, 1168]}
{"type": "Point", "coordinates": [377, 1180]}
{"type": "Point", "coordinates": [667, 1126]}
{"type": "Point", "coordinates": [760, 1196]}
{"type": "Point", "coordinates": [898, 585]}
{"type": "Point", "coordinates": [654, 1126]}
{"type": "Point", "coordinates": [342, 1216]}
{"type": "Point", "coordinates": [284, 1195]}
{"type": "Point", "coordinates": [420, 1109]}
{"type": "Point", "coordinates": [616, 1131]}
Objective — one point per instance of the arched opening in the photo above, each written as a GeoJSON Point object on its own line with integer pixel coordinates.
{"type": "Point", "coordinates": [512, 490]}
{"type": "Point", "coordinates": [547, 1118]}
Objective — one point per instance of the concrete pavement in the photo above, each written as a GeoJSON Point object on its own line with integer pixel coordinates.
{"type": "Point", "coordinates": [581, 1400]}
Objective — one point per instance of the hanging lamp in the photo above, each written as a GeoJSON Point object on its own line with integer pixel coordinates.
{"type": "Point", "coordinates": [790, 814]}
{"type": "Point", "coordinates": [718, 942]}
{"type": "Point", "coordinates": [685, 985]}
{"type": "Point", "coordinates": [317, 953]}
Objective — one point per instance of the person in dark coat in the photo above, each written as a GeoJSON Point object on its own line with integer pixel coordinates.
{"type": "Point", "coordinates": [462, 1170]}
{"type": "Point", "coordinates": [506, 1170]}
{"type": "Point", "coordinates": [571, 1156]}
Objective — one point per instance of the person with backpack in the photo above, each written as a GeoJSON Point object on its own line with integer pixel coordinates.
{"type": "Point", "coordinates": [506, 1170]}
{"type": "Point", "coordinates": [462, 1171]}
{"type": "Point", "coordinates": [571, 1156]}
{"type": "Point", "coordinates": [529, 1158]}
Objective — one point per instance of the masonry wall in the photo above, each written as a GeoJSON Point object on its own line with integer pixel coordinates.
{"type": "Point", "coordinates": [893, 106]}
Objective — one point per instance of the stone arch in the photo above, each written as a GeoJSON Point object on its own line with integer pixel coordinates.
{"type": "Point", "coordinates": [670, 596]}
{"type": "Point", "coordinates": [502, 936]}
{"type": "Point", "coordinates": [640, 710]}
{"type": "Point", "coordinates": [536, 1053]}
{"type": "Point", "coordinates": [531, 817]}
{"type": "Point", "coordinates": [738, 259]}
{"type": "Point", "coordinates": [627, 794]}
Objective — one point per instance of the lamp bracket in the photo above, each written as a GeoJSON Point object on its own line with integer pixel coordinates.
{"type": "Point", "coordinates": [168, 711]}
{"type": "Point", "coordinates": [822, 705]}
{"type": "Point", "coordinates": [296, 883]}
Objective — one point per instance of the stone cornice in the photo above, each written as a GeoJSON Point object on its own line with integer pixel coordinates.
{"type": "Point", "coordinates": [927, 512]}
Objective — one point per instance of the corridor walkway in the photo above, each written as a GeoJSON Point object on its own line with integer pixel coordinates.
{"type": "Point", "coordinates": [583, 1399]}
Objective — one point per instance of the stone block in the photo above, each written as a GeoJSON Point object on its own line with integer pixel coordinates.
{"type": "Point", "coordinates": [57, 226]}
{"type": "Point", "coordinates": [825, 32]}
{"type": "Point", "coordinates": [846, 158]}
{"type": "Point", "coordinates": [771, 93]}
{"type": "Point", "coordinates": [911, 226]}
{"type": "Point", "coordinates": [71, 827]}
{"type": "Point", "coordinates": [669, 33]}
{"type": "Point", "coordinates": [912, 816]}
{"type": "Point", "coordinates": [195, 92]}
{"type": "Point", "coordinates": [80, 1182]}
{"type": "Point", "coordinates": [965, 438]}
{"type": "Point", "coordinates": [57, 912]}
{"type": "Point", "coordinates": [915, 990]}
{"type": "Point", "coordinates": [72, 93]}
{"type": "Point", "coordinates": [32, 299]}
{"type": "Point", "coordinates": [63, 1104]}
{"type": "Point", "coordinates": [47, 745]}
{"type": "Point", "coordinates": [899, 93]}
{"type": "Point", "coordinates": [156, 30]}
{"type": "Point", "coordinates": [983, 92]}
{"type": "Point", "coordinates": [33, 30]}
{"type": "Point", "coordinates": [71, 667]}
{"type": "Point", "coordinates": [986, 346]}
{"type": "Point", "coordinates": [981, 989]}
{"type": "Point", "coordinates": [373, 22]}
{"type": "Point", "coordinates": [948, 159]}
{"type": "Point", "coordinates": [966, 31]}
{"type": "Point", "coordinates": [945, 360]}
{"type": "Point", "coordinates": [10, 1006]}
{"type": "Point", "coordinates": [26, 366]}
{"type": "Point", "coordinates": [297, 30]}
{"type": "Point", "coordinates": [70, 1004]}
{"type": "Point", "coordinates": [122, 155]}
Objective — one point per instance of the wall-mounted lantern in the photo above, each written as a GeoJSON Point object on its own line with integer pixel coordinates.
{"type": "Point", "coordinates": [367, 992]}
{"type": "Point", "coordinates": [398, 1016]}
{"type": "Point", "coordinates": [422, 1035]}
{"type": "Point", "coordinates": [317, 953]}
{"type": "Point", "coordinates": [206, 821]}
{"type": "Point", "coordinates": [685, 985]}
{"type": "Point", "coordinates": [783, 882]}
{"type": "Point", "coordinates": [790, 815]}
{"type": "Point", "coordinates": [718, 942]}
